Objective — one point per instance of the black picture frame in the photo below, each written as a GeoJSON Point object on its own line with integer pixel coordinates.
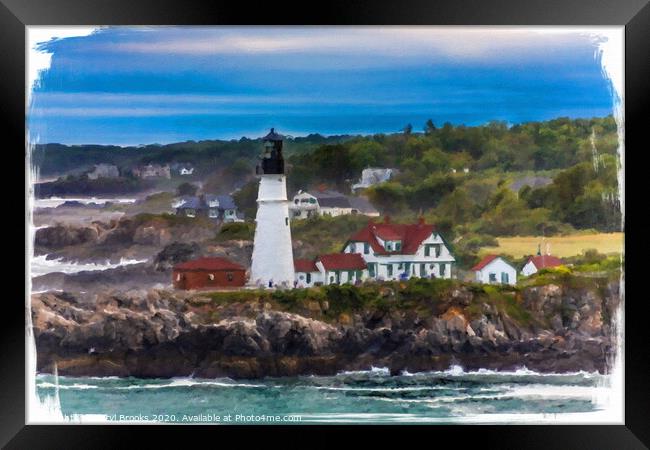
{"type": "Point", "coordinates": [15, 15]}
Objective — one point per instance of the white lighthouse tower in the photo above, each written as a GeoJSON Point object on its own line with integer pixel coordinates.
{"type": "Point", "coordinates": [272, 263]}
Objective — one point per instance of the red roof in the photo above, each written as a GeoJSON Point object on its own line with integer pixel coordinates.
{"type": "Point", "coordinates": [411, 236]}
{"type": "Point", "coordinates": [343, 261]}
{"type": "Point", "coordinates": [304, 265]}
{"type": "Point", "coordinates": [484, 262]}
{"type": "Point", "coordinates": [544, 261]}
{"type": "Point", "coordinates": [215, 263]}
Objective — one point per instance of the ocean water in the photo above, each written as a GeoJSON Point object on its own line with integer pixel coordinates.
{"type": "Point", "coordinates": [350, 397]}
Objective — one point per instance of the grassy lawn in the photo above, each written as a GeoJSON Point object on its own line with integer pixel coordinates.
{"type": "Point", "coordinates": [560, 246]}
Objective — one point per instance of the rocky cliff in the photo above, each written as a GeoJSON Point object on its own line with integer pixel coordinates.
{"type": "Point", "coordinates": [250, 334]}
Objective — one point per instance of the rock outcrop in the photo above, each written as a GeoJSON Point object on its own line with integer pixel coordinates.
{"type": "Point", "coordinates": [163, 333]}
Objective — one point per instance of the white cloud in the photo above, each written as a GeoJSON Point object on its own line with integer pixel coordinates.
{"type": "Point", "coordinates": [452, 42]}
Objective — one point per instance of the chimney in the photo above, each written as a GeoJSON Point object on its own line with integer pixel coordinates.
{"type": "Point", "coordinates": [386, 218]}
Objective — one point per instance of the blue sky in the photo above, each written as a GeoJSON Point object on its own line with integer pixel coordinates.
{"type": "Point", "coordinates": [142, 85]}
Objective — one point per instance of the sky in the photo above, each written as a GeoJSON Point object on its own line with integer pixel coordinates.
{"type": "Point", "coordinates": [146, 85]}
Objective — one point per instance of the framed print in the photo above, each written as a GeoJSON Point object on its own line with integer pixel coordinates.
{"type": "Point", "coordinates": [359, 215]}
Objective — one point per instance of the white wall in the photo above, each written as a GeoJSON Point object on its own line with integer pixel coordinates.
{"type": "Point", "coordinates": [529, 269]}
{"type": "Point", "coordinates": [272, 252]}
{"type": "Point", "coordinates": [497, 267]}
{"type": "Point", "coordinates": [301, 278]}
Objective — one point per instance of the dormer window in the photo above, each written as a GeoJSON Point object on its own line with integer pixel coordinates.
{"type": "Point", "coordinates": [393, 246]}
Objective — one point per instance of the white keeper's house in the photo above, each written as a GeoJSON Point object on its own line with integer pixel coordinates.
{"type": "Point", "coordinates": [386, 251]}
{"type": "Point", "coordinates": [494, 269]}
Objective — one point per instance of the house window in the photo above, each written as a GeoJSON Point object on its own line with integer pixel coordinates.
{"type": "Point", "coordinates": [296, 201]}
{"type": "Point", "coordinates": [492, 277]}
{"type": "Point", "coordinates": [353, 248]}
{"type": "Point", "coordinates": [190, 212]}
{"type": "Point", "coordinates": [398, 246]}
{"type": "Point", "coordinates": [350, 275]}
{"type": "Point", "coordinates": [442, 269]}
{"type": "Point", "coordinates": [308, 278]}
{"type": "Point", "coordinates": [366, 248]}
{"type": "Point", "coordinates": [229, 276]}
{"type": "Point", "coordinates": [400, 266]}
{"type": "Point", "coordinates": [504, 278]}
{"type": "Point", "coordinates": [331, 279]}
{"type": "Point", "coordinates": [390, 270]}
{"type": "Point", "coordinates": [359, 274]}
{"type": "Point", "coordinates": [389, 246]}
{"type": "Point", "coordinates": [214, 212]}
{"type": "Point", "coordinates": [434, 247]}
{"type": "Point", "coordinates": [423, 270]}
{"type": "Point", "coordinates": [312, 200]}
{"type": "Point", "coordinates": [211, 276]}
{"type": "Point", "coordinates": [301, 277]}
{"type": "Point", "coordinates": [371, 270]}
{"type": "Point", "coordinates": [286, 221]}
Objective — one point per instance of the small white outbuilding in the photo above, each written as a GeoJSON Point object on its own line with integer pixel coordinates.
{"type": "Point", "coordinates": [493, 269]}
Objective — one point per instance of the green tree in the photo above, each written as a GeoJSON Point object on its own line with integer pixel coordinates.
{"type": "Point", "coordinates": [246, 199]}
{"type": "Point", "coordinates": [429, 127]}
{"type": "Point", "coordinates": [388, 197]}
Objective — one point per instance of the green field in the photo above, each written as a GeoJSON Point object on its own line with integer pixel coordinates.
{"type": "Point", "coordinates": [561, 246]}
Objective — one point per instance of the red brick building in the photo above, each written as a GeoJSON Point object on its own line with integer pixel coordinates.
{"type": "Point", "coordinates": [205, 273]}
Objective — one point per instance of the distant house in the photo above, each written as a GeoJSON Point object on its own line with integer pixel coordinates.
{"type": "Point", "coordinates": [307, 204]}
{"type": "Point", "coordinates": [494, 269]}
{"type": "Point", "coordinates": [206, 273]}
{"type": "Point", "coordinates": [104, 171]}
{"type": "Point", "coordinates": [333, 203]}
{"type": "Point", "coordinates": [182, 169]}
{"type": "Point", "coordinates": [218, 207]}
{"type": "Point", "coordinates": [373, 175]}
{"type": "Point", "coordinates": [152, 171]}
{"type": "Point", "coordinates": [539, 262]}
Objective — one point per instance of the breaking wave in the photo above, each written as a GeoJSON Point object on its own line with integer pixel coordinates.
{"type": "Point", "coordinates": [40, 265]}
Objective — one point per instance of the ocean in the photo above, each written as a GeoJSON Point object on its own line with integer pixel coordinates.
{"type": "Point", "coordinates": [350, 397]}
